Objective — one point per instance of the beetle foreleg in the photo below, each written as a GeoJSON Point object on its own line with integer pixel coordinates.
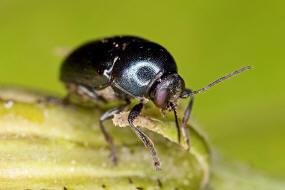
{"type": "Point", "coordinates": [186, 117]}
{"type": "Point", "coordinates": [177, 125]}
{"type": "Point", "coordinates": [109, 115]}
{"type": "Point", "coordinates": [136, 110]}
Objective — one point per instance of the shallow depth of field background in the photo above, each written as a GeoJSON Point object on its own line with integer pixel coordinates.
{"type": "Point", "coordinates": [244, 117]}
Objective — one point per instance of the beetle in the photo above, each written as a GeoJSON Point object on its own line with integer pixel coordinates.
{"type": "Point", "coordinates": [130, 68]}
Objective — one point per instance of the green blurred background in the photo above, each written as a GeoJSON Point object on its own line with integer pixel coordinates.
{"type": "Point", "coordinates": [243, 117]}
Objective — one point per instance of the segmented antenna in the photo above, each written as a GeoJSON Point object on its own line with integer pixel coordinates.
{"type": "Point", "coordinates": [221, 79]}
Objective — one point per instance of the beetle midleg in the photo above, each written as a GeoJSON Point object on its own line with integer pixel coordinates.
{"type": "Point", "coordinates": [186, 117]}
{"type": "Point", "coordinates": [136, 110]}
{"type": "Point", "coordinates": [109, 115]}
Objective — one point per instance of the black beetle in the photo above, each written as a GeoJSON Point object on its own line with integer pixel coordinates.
{"type": "Point", "coordinates": [134, 68]}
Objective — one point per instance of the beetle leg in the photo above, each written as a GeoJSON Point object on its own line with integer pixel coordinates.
{"type": "Point", "coordinates": [91, 93]}
{"type": "Point", "coordinates": [66, 99]}
{"type": "Point", "coordinates": [186, 117]}
{"type": "Point", "coordinates": [136, 110]}
{"type": "Point", "coordinates": [177, 125]}
{"type": "Point", "coordinates": [83, 92]}
{"type": "Point", "coordinates": [49, 99]}
{"type": "Point", "coordinates": [109, 115]}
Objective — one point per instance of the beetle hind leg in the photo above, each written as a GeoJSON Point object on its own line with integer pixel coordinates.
{"type": "Point", "coordinates": [66, 99]}
{"type": "Point", "coordinates": [83, 92]}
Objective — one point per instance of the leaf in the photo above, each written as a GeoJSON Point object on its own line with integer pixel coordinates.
{"type": "Point", "coordinates": [51, 146]}
{"type": "Point", "coordinates": [229, 175]}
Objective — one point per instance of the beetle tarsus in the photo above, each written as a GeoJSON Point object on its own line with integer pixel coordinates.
{"type": "Point", "coordinates": [110, 142]}
{"type": "Point", "coordinates": [186, 135]}
{"type": "Point", "coordinates": [146, 140]}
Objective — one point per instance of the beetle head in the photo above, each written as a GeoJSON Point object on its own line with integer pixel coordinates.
{"type": "Point", "coordinates": [167, 91]}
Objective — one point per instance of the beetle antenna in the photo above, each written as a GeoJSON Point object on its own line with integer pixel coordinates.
{"type": "Point", "coordinates": [221, 79]}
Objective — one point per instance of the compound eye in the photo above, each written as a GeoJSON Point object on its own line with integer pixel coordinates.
{"type": "Point", "coordinates": [161, 98]}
